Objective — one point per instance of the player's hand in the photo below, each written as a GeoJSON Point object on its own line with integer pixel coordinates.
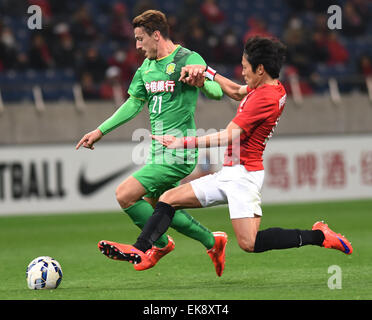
{"type": "Point", "coordinates": [193, 75]}
{"type": "Point", "coordinates": [89, 139]}
{"type": "Point", "coordinates": [169, 141]}
{"type": "Point", "coordinates": [196, 79]}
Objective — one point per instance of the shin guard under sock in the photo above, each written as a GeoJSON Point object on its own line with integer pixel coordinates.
{"type": "Point", "coordinates": [140, 212]}
{"type": "Point", "coordinates": [155, 226]}
{"type": "Point", "coordinates": [277, 238]}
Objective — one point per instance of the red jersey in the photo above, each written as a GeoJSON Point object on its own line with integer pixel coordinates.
{"type": "Point", "coordinates": [258, 114]}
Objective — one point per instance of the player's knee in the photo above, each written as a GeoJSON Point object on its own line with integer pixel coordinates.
{"type": "Point", "coordinates": [246, 244]}
{"type": "Point", "coordinates": [167, 197]}
{"type": "Point", "coordinates": [122, 197]}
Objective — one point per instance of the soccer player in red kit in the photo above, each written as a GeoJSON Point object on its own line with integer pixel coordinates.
{"type": "Point", "coordinates": [240, 180]}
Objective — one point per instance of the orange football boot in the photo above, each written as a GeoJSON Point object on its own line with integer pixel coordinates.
{"type": "Point", "coordinates": [155, 254]}
{"type": "Point", "coordinates": [123, 252]}
{"type": "Point", "coordinates": [217, 253]}
{"type": "Point", "coordinates": [332, 239]}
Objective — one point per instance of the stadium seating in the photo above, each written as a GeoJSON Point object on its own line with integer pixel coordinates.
{"type": "Point", "coordinates": [16, 86]}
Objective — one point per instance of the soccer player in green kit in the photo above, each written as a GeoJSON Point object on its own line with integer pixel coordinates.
{"type": "Point", "coordinates": [171, 106]}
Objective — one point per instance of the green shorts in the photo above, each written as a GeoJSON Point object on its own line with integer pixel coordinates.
{"type": "Point", "coordinates": [158, 178]}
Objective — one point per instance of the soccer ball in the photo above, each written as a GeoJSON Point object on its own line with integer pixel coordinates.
{"type": "Point", "coordinates": [43, 273]}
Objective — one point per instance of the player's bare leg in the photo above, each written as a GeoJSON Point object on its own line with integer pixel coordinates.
{"type": "Point", "coordinates": [151, 201]}
{"type": "Point", "coordinates": [246, 231]}
{"type": "Point", "coordinates": [129, 192]}
{"type": "Point", "coordinates": [181, 197]}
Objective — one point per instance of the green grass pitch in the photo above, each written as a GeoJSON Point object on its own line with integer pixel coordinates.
{"type": "Point", "coordinates": [187, 273]}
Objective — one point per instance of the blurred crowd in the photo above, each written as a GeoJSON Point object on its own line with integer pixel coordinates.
{"type": "Point", "coordinates": [95, 38]}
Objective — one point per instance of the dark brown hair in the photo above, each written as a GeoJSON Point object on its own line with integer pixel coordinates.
{"type": "Point", "coordinates": [152, 20]}
{"type": "Point", "coordinates": [268, 52]}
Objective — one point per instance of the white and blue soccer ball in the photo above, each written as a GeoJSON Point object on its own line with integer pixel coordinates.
{"type": "Point", "coordinates": [44, 273]}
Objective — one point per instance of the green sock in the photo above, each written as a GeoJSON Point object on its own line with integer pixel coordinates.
{"type": "Point", "coordinates": [187, 225]}
{"type": "Point", "coordinates": [140, 212]}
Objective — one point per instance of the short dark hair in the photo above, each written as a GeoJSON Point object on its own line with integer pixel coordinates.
{"type": "Point", "coordinates": [152, 20]}
{"type": "Point", "coordinates": [266, 51]}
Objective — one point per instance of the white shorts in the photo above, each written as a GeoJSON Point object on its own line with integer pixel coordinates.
{"type": "Point", "coordinates": [240, 188]}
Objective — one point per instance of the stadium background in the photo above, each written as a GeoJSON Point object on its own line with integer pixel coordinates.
{"type": "Point", "coordinates": [60, 82]}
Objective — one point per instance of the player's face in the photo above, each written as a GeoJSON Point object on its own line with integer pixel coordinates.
{"type": "Point", "coordinates": [252, 79]}
{"type": "Point", "coordinates": [146, 43]}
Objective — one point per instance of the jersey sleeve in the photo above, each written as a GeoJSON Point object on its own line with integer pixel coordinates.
{"type": "Point", "coordinates": [127, 111]}
{"type": "Point", "coordinates": [195, 58]}
{"type": "Point", "coordinates": [212, 90]}
{"type": "Point", "coordinates": [256, 111]}
{"type": "Point", "coordinates": [137, 88]}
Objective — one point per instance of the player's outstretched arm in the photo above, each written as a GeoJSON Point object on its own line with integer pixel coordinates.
{"type": "Point", "coordinates": [124, 113]}
{"type": "Point", "coordinates": [218, 139]}
{"type": "Point", "coordinates": [127, 111]}
{"type": "Point", "coordinates": [195, 75]}
{"type": "Point", "coordinates": [233, 90]}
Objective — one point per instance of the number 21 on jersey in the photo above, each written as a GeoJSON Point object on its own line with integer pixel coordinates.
{"type": "Point", "coordinates": [156, 107]}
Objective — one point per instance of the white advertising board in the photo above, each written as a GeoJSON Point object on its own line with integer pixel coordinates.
{"type": "Point", "coordinates": [58, 178]}
{"type": "Point", "coordinates": [318, 168]}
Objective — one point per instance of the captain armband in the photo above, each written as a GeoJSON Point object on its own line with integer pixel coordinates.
{"type": "Point", "coordinates": [210, 73]}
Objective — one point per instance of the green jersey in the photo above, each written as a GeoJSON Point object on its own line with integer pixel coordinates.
{"type": "Point", "coordinates": [171, 103]}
